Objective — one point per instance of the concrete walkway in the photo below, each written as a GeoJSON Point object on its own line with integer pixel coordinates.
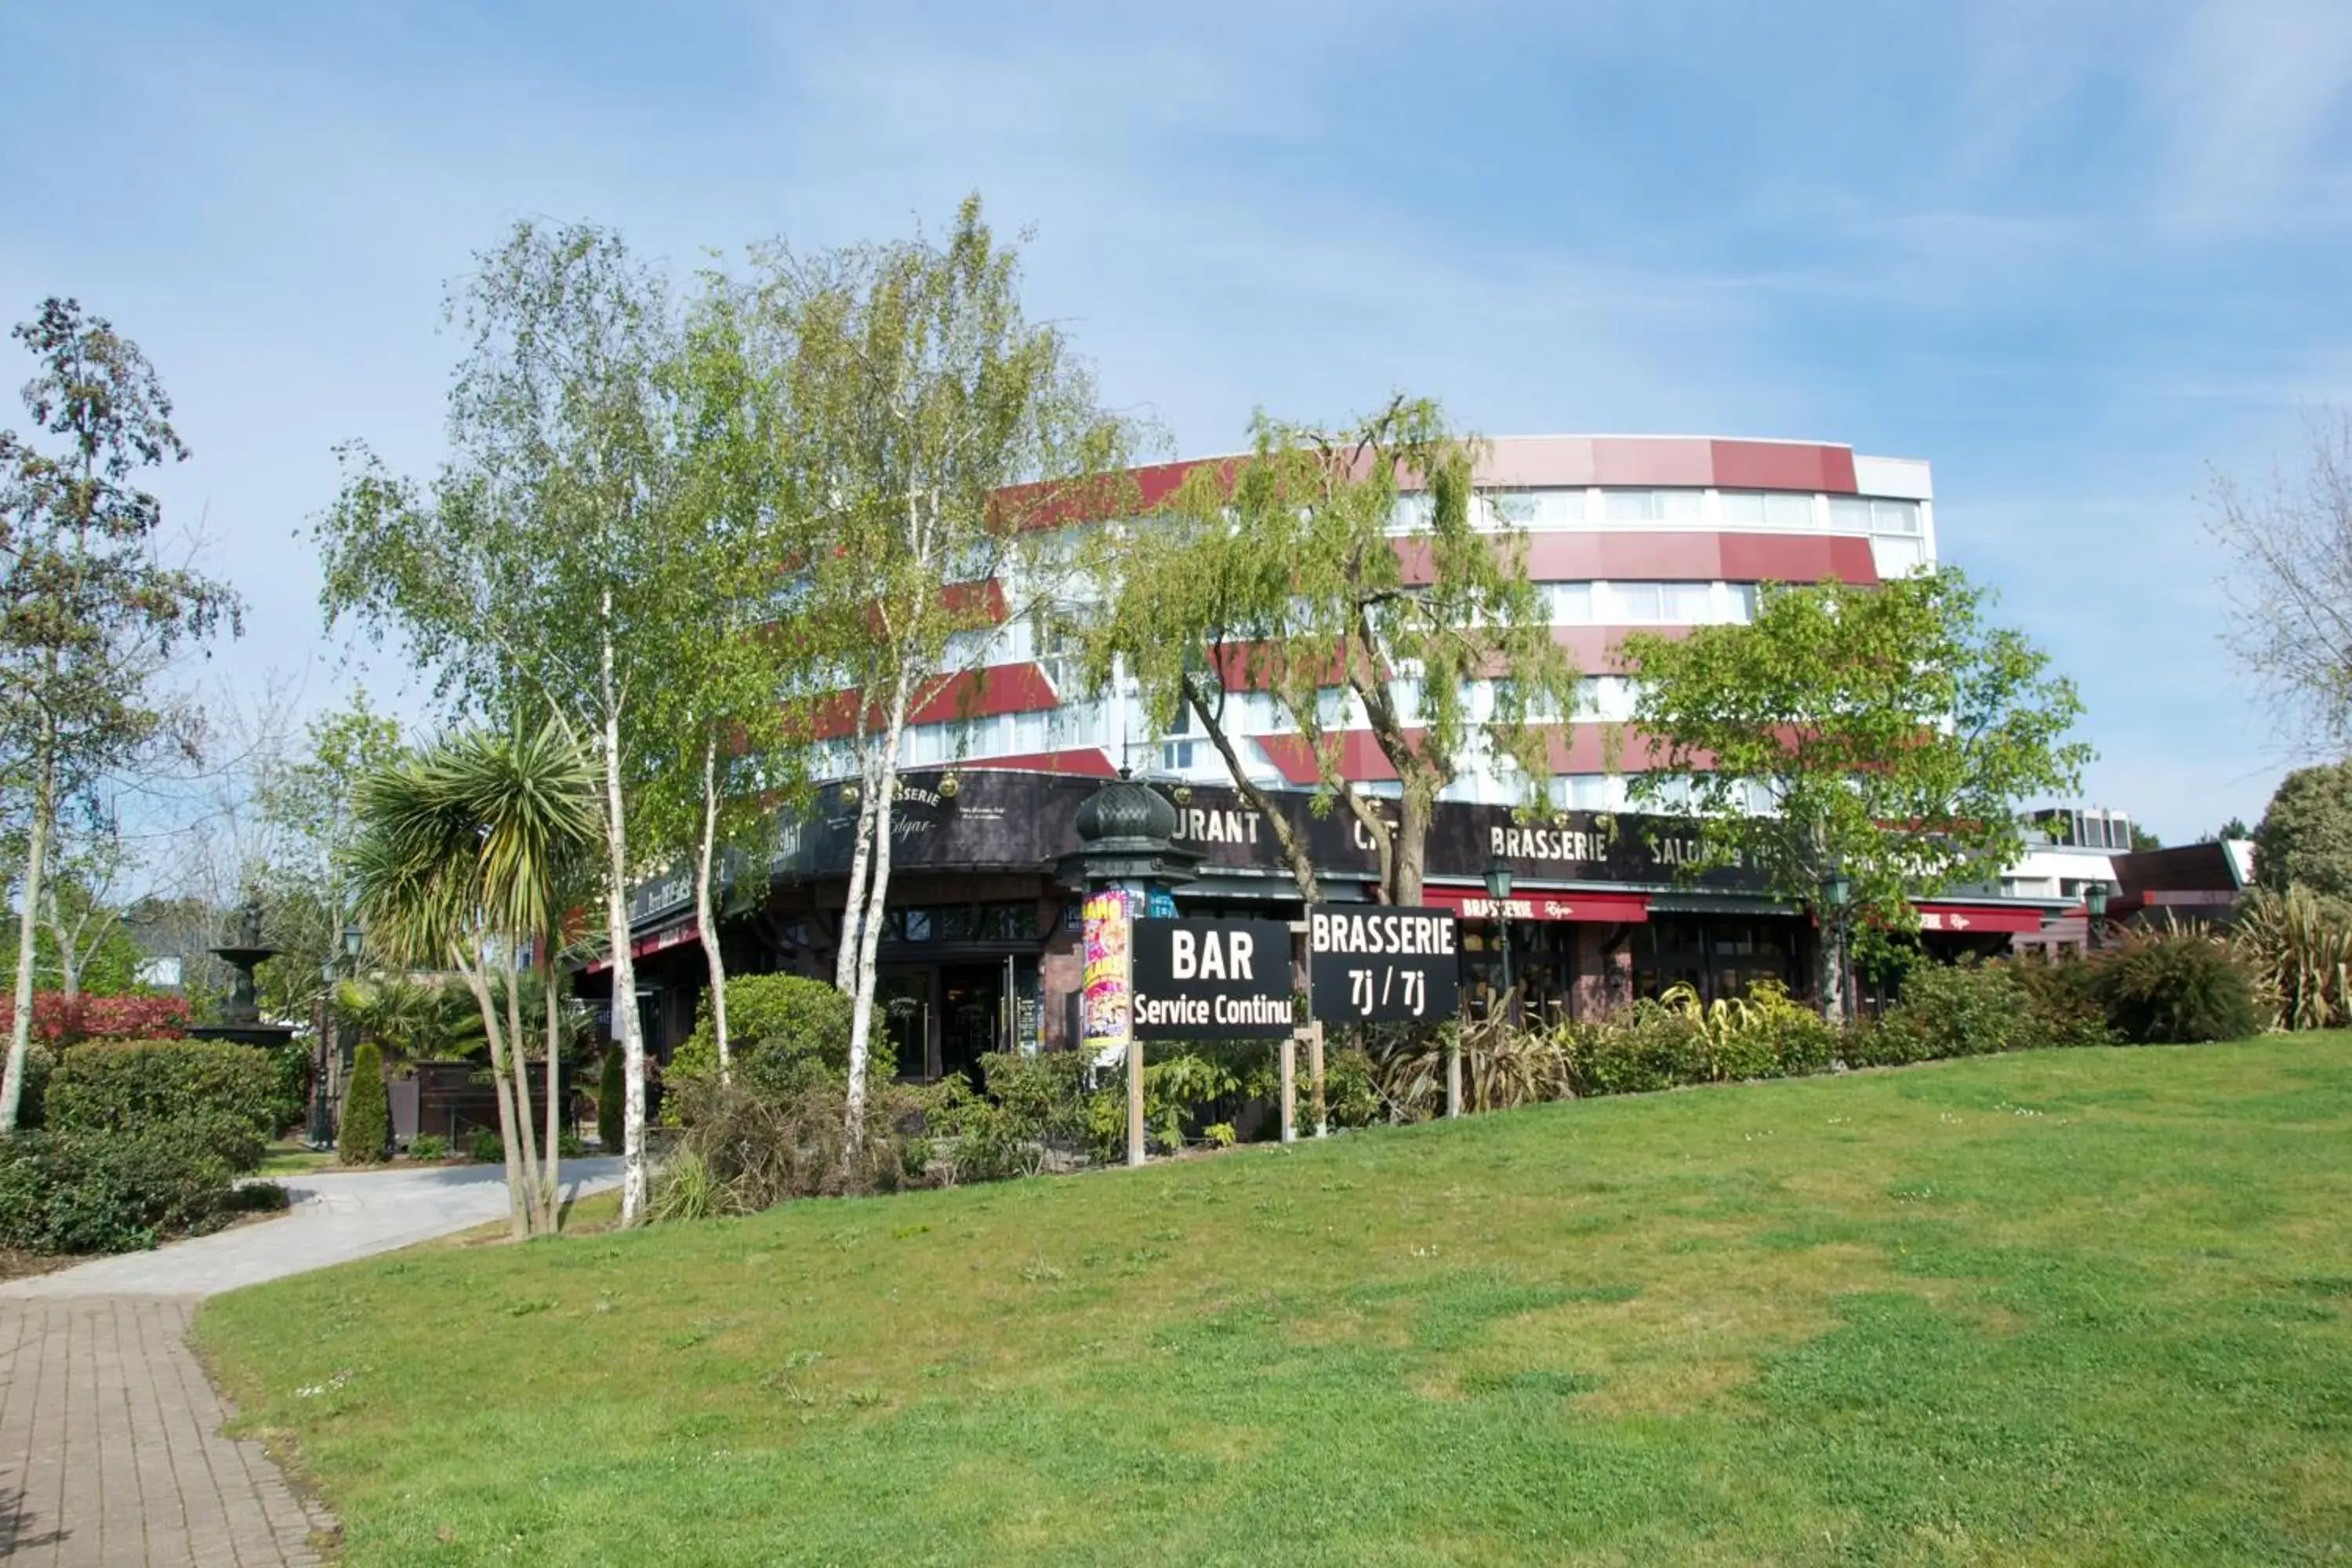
{"type": "Point", "coordinates": [110, 1449]}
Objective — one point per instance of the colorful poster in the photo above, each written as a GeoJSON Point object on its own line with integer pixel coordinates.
{"type": "Point", "coordinates": [1105, 1009]}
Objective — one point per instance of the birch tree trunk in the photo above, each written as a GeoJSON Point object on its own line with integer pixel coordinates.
{"type": "Point", "coordinates": [626, 1024]}
{"type": "Point", "coordinates": [20, 1030]}
{"type": "Point", "coordinates": [1833, 971]}
{"type": "Point", "coordinates": [869, 937]}
{"type": "Point", "coordinates": [713, 961]}
{"type": "Point", "coordinates": [69, 950]}
{"type": "Point", "coordinates": [861, 862]}
{"type": "Point", "coordinates": [519, 1202]}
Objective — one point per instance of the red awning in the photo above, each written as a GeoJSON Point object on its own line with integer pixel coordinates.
{"type": "Point", "coordinates": [668, 937]}
{"type": "Point", "coordinates": [1960, 919]}
{"type": "Point", "coordinates": [1473, 904]}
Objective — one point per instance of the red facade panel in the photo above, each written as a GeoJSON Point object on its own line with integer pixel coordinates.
{"type": "Point", "coordinates": [1783, 466]}
{"type": "Point", "coordinates": [975, 694]}
{"type": "Point", "coordinates": [1653, 460]}
{"type": "Point", "coordinates": [1797, 558]}
{"type": "Point", "coordinates": [1540, 461]}
{"type": "Point", "coordinates": [979, 693]}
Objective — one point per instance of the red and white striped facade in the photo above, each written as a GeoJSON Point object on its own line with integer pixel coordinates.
{"type": "Point", "coordinates": [1624, 534]}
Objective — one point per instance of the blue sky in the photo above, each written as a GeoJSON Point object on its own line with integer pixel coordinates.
{"type": "Point", "coordinates": [2073, 255]}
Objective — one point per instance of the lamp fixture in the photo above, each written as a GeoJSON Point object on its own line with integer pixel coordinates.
{"type": "Point", "coordinates": [1499, 878]}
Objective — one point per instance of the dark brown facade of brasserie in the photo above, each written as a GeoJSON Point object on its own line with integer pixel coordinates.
{"type": "Point", "coordinates": [980, 949]}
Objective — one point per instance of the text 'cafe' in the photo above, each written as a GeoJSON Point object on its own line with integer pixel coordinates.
{"type": "Point", "coordinates": [981, 948]}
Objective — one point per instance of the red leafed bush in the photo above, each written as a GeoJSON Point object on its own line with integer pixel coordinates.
{"type": "Point", "coordinates": [59, 1021]}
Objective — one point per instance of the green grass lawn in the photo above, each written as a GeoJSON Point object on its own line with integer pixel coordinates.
{"type": "Point", "coordinates": [2083, 1307]}
{"type": "Point", "coordinates": [290, 1158]}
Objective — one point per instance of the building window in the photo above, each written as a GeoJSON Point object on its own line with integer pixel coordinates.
{"type": "Point", "coordinates": [1895, 517]}
{"type": "Point", "coordinates": [1572, 604]}
{"type": "Point", "coordinates": [1661, 604]}
{"type": "Point", "coordinates": [1534, 509]}
{"type": "Point", "coordinates": [1779, 510]}
{"type": "Point", "coordinates": [1849, 515]}
{"type": "Point", "coordinates": [1652, 506]}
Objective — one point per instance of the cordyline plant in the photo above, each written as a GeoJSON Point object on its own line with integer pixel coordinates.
{"type": "Point", "coordinates": [1883, 733]}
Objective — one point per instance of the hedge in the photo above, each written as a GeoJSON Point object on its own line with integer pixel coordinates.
{"type": "Point", "coordinates": [223, 1095]}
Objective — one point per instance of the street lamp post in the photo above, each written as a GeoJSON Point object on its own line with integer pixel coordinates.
{"type": "Point", "coordinates": [2095, 907]}
{"type": "Point", "coordinates": [322, 1118]}
{"type": "Point", "coordinates": [1837, 891]}
{"type": "Point", "coordinates": [1498, 889]}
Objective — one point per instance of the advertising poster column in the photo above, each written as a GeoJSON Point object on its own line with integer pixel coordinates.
{"type": "Point", "coordinates": [1107, 1008]}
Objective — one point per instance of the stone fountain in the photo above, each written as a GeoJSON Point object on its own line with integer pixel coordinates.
{"type": "Point", "coordinates": [241, 1015]}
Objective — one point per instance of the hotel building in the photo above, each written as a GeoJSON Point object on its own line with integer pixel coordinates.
{"type": "Point", "coordinates": [980, 951]}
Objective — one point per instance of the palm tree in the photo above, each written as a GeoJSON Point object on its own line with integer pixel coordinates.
{"type": "Point", "coordinates": [535, 796]}
{"type": "Point", "coordinates": [468, 851]}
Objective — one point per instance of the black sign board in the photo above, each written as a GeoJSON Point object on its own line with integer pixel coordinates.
{"type": "Point", "coordinates": [1211, 979]}
{"type": "Point", "coordinates": [1371, 963]}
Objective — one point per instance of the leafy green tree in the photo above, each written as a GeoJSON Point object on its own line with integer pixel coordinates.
{"type": "Point", "coordinates": [1290, 567]}
{"type": "Point", "coordinates": [541, 569]}
{"type": "Point", "coordinates": [1885, 734]}
{"type": "Point", "coordinates": [2304, 839]}
{"type": "Point", "coordinates": [2233, 830]}
{"type": "Point", "coordinates": [299, 858]}
{"type": "Point", "coordinates": [934, 427]}
{"type": "Point", "coordinates": [367, 1112]}
{"type": "Point", "coordinates": [89, 610]}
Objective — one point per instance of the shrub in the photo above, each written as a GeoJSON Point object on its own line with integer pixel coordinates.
{"type": "Point", "coordinates": [2065, 1000]}
{"type": "Point", "coordinates": [110, 1191]}
{"type": "Point", "coordinates": [224, 1094]}
{"type": "Point", "coordinates": [1962, 1009]}
{"type": "Point", "coordinates": [484, 1147]}
{"type": "Point", "coordinates": [1037, 1106]}
{"type": "Point", "coordinates": [744, 1150]}
{"type": "Point", "coordinates": [59, 1021]}
{"type": "Point", "coordinates": [2297, 949]}
{"type": "Point", "coordinates": [366, 1138]}
{"type": "Point", "coordinates": [783, 1031]}
{"type": "Point", "coordinates": [2178, 986]}
{"type": "Point", "coordinates": [1644, 1047]}
{"type": "Point", "coordinates": [1502, 1066]}
{"type": "Point", "coordinates": [428, 1146]}
{"type": "Point", "coordinates": [610, 1111]}
{"type": "Point", "coordinates": [1351, 1095]}
{"type": "Point", "coordinates": [568, 1145]}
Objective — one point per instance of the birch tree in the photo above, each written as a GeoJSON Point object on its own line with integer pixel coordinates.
{"type": "Point", "coordinates": [1359, 581]}
{"type": "Point", "coordinates": [727, 706]}
{"type": "Point", "coordinates": [937, 427]}
{"type": "Point", "coordinates": [90, 612]}
{"type": "Point", "coordinates": [539, 569]}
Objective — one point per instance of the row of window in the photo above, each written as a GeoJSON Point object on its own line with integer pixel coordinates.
{"type": "Point", "coordinates": [1771, 510]}
{"type": "Point", "coordinates": [1581, 603]}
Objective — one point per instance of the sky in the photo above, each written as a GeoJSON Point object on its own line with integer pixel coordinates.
{"type": "Point", "coordinates": [2080, 257]}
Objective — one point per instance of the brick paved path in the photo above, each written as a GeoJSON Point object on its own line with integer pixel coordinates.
{"type": "Point", "coordinates": [110, 1449]}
